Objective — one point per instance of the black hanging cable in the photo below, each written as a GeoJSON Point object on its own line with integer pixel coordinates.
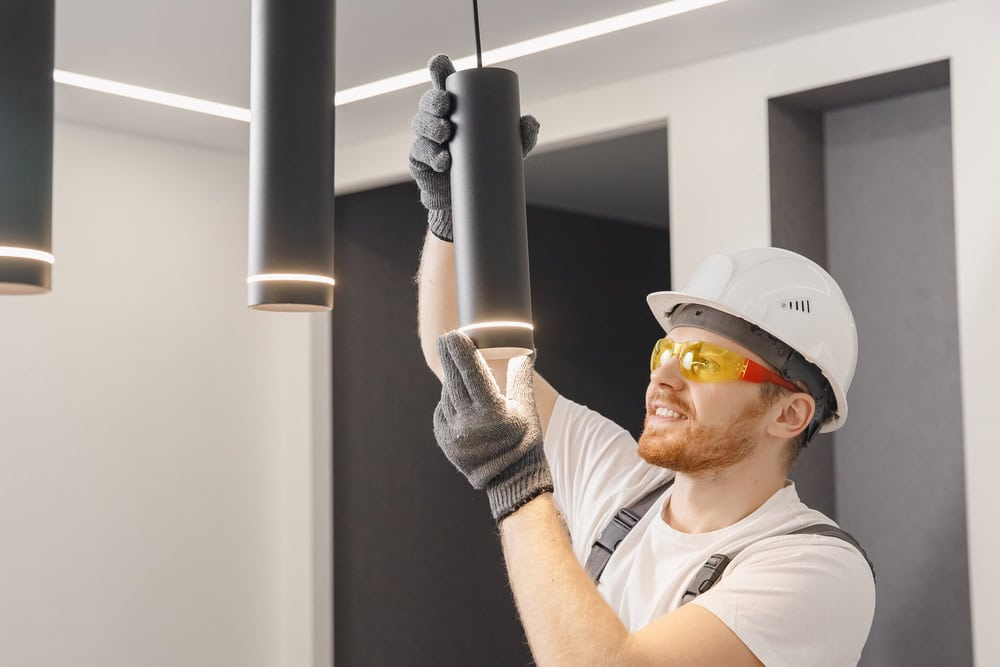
{"type": "Point", "coordinates": [479, 46]}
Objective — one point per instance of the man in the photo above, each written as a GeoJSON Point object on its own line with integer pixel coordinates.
{"type": "Point", "coordinates": [759, 354]}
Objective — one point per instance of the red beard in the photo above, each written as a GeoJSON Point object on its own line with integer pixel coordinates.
{"type": "Point", "coordinates": [695, 449]}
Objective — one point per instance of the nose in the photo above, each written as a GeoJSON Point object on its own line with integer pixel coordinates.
{"type": "Point", "coordinates": [668, 374]}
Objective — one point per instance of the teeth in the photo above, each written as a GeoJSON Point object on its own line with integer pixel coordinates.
{"type": "Point", "coordinates": [667, 412]}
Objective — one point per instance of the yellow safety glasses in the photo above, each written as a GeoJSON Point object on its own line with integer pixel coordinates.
{"type": "Point", "coordinates": [707, 362]}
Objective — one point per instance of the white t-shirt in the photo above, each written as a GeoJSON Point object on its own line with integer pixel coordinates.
{"type": "Point", "coordinates": [803, 600]}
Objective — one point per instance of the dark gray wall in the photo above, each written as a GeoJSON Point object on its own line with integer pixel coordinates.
{"type": "Point", "coordinates": [593, 330]}
{"type": "Point", "coordinates": [861, 181]}
{"type": "Point", "coordinates": [418, 578]}
{"type": "Point", "coordinates": [620, 178]}
{"type": "Point", "coordinates": [899, 459]}
{"type": "Point", "coordinates": [418, 573]}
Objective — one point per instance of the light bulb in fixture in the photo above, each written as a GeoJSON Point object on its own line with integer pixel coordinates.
{"type": "Point", "coordinates": [496, 325]}
{"type": "Point", "coordinates": [27, 253]}
{"type": "Point", "coordinates": [291, 277]}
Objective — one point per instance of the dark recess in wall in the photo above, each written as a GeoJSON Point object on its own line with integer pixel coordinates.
{"type": "Point", "coordinates": [861, 181]}
{"type": "Point", "coordinates": [418, 573]}
{"type": "Point", "coordinates": [798, 222]}
{"type": "Point", "coordinates": [797, 147]}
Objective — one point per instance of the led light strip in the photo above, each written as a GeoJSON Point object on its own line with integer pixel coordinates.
{"type": "Point", "coordinates": [150, 95]}
{"type": "Point", "coordinates": [365, 91]}
{"type": "Point", "coordinates": [290, 277]}
{"type": "Point", "coordinates": [497, 325]}
{"type": "Point", "coordinates": [527, 47]}
{"type": "Point", "coordinates": [27, 253]}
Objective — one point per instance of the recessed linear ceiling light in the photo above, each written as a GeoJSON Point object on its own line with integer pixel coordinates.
{"type": "Point", "coordinates": [381, 87]}
{"type": "Point", "coordinates": [527, 47]}
{"type": "Point", "coordinates": [150, 95]}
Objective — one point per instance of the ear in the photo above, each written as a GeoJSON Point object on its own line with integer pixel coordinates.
{"type": "Point", "coordinates": [795, 411]}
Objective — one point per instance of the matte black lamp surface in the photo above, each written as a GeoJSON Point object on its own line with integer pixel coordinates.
{"type": "Point", "coordinates": [27, 56]}
{"type": "Point", "coordinates": [291, 155]}
{"type": "Point", "coordinates": [488, 208]}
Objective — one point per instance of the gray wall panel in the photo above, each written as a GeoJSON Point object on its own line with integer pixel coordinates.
{"type": "Point", "coordinates": [899, 459]}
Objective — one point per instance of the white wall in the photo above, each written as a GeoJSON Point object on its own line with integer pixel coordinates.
{"type": "Point", "coordinates": [717, 116]}
{"type": "Point", "coordinates": [156, 437]}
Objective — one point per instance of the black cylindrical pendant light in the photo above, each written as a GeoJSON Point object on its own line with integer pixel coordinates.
{"type": "Point", "coordinates": [488, 211]}
{"type": "Point", "coordinates": [291, 155]}
{"type": "Point", "coordinates": [27, 57]}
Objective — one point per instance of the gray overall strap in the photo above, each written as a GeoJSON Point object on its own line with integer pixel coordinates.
{"type": "Point", "coordinates": [618, 528]}
{"type": "Point", "coordinates": [716, 564]}
{"type": "Point", "coordinates": [833, 531]}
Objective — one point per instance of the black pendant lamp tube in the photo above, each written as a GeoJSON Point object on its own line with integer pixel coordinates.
{"type": "Point", "coordinates": [488, 212]}
{"type": "Point", "coordinates": [291, 155]}
{"type": "Point", "coordinates": [27, 57]}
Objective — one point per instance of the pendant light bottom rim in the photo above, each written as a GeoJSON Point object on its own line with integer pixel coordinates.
{"type": "Point", "coordinates": [301, 297]}
{"type": "Point", "coordinates": [19, 275]}
{"type": "Point", "coordinates": [501, 342]}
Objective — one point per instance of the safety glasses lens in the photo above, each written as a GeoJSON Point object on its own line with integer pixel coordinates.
{"type": "Point", "coordinates": [699, 361]}
{"type": "Point", "coordinates": [688, 362]}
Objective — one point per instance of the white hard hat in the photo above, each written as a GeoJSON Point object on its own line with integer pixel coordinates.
{"type": "Point", "coordinates": [787, 296]}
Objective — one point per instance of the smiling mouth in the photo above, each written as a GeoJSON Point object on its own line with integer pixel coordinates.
{"type": "Point", "coordinates": [667, 412]}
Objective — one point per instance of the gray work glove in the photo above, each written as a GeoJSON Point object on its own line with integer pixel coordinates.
{"type": "Point", "coordinates": [495, 441]}
{"type": "Point", "coordinates": [430, 161]}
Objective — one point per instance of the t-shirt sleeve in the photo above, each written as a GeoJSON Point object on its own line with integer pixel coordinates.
{"type": "Point", "coordinates": [596, 469]}
{"type": "Point", "coordinates": [802, 600]}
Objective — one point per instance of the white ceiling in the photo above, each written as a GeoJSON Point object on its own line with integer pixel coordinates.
{"type": "Point", "coordinates": [202, 48]}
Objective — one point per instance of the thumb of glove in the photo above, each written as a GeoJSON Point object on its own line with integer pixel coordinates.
{"type": "Point", "coordinates": [440, 68]}
{"type": "Point", "coordinates": [521, 380]}
{"type": "Point", "coordinates": [529, 134]}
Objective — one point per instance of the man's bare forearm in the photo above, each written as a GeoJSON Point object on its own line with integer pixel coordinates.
{"type": "Point", "coordinates": [437, 307]}
{"type": "Point", "coordinates": [566, 619]}
{"type": "Point", "coordinates": [437, 312]}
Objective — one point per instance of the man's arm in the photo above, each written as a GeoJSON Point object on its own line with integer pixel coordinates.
{"type": "Point", "coordinates": [437, 310]}
{"type": "Point", "coordinates": [568, 622]}
{"type": "Point", "coordinates": [437, 314]}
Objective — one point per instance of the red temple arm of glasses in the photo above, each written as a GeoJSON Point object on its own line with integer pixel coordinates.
{"type": "Point", "coordinates": [756, 373]}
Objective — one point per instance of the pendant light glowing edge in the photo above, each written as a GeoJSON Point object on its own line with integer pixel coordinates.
{"type": "Point", "coordinates": [390, 84]}
{"type": "Point", "coordinates": [497, 325]}
{"type": "Point", "coordinates": [27, 253]}
{"type": "Point", "coordinates": [290, 277]}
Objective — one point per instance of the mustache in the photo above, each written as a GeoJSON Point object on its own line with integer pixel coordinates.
{"type": "Point", "coordinates": [672, 402]}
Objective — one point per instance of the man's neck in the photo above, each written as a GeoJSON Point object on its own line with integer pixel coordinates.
{"type": "Point", "coordinates": [703, 503]}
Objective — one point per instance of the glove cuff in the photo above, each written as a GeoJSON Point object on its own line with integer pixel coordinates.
{"type": "Point", "coordinates": [439, 222]}
{"type": "Point", "coordinates": [521, 482]}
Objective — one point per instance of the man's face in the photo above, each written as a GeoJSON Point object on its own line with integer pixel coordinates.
{"type": "Point", "coordinates": [702, 427]}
